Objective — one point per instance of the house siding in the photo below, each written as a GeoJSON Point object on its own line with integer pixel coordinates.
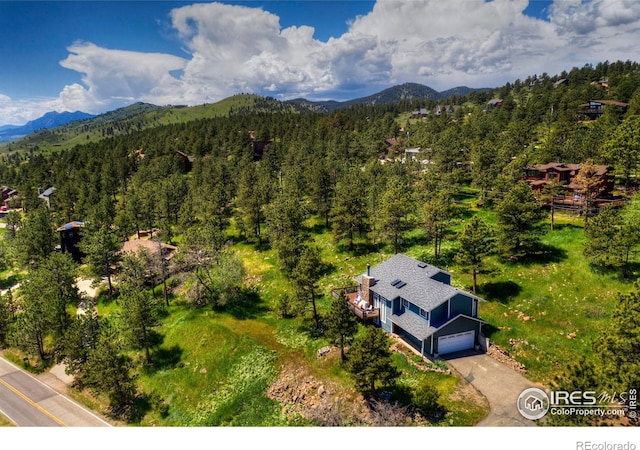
{"type": "Point", "coordinates": [461, 304]}
{"type": "Point", "coordinates": [439, 315]}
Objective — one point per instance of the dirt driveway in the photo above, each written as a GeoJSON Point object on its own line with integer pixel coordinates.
{"type": "Point", "coordinates": [500, 384]}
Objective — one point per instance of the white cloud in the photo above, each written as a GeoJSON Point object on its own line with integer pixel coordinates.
{"type": "Point", "coordinates": [443, 44]}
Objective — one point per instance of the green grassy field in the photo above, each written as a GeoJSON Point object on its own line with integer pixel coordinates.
{"type": "Point", "coordinates": [215, 368]}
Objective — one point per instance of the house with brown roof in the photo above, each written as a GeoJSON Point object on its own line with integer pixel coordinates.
{"type": "Point", "coordinates": [540, 175]}
{"type": "Point", "coordinates": [7, 195]}
{"type": "Point", "coordinates": [153, 247]}
{"type": "Point", "coordinates": [594, 109]}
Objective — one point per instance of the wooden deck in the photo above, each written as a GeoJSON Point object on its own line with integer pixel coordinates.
{"type": "Point", "coordinates": [352, 295]}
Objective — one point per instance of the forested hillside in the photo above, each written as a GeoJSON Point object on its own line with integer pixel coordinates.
{"type": "Point", "coordinates": [275, 208]}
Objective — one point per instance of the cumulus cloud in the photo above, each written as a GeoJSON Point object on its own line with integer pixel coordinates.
{"type": "Point", "coordinates": [443, 44]}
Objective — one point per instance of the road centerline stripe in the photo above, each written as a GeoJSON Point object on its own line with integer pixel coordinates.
{"type": "Point", "coordinates": [32, 403]}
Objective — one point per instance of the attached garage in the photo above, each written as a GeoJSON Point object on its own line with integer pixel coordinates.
{"type": "Point", "coordinates": [456, 342]}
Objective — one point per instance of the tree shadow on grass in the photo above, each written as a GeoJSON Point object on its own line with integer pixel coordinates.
{"type": "Point", "coordinates": [542, 254]}
{"type": "Point", "coordinates": [247, 305]}
{"type": "Point", "coordinates": [165, 358]}
{"type": "Point", "coordinates": [501, 291]}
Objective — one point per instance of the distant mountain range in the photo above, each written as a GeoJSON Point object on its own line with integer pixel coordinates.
{"type": "Point", "coordinates": [73, 129]}
{"type": "Point", "coordinates": [406, 91]}
{"type": "Point", "coordinates": [49, 120]}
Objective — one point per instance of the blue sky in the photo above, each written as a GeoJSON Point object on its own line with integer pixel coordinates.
{"type": "Point", "coordinates": [96, 56]}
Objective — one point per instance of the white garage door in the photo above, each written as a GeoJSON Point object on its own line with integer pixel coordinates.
{"type": "Point", "coordinates": [456, 342]}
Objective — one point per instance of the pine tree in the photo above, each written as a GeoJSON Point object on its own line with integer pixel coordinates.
{"type": "Point", "coordinates": [101, 247]}
{"type": "Point", "coordinates": [342, 323]}
{"type": "Point", "coordinates": [305, 276]}
{"type": "Point", "coordinates": [519, 216]}
{"type": "Point", "coordinates": [139, 314]}
{"type": "Point", "coordinates": [370, 361]}
{"type": "Point", "coordinates": [476, 241]}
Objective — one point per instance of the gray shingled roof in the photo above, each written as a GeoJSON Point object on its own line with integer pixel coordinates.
{"type": "Point", "coordinates": [420, 288]}
{"type": "Point", "coordinates": [413, 324]}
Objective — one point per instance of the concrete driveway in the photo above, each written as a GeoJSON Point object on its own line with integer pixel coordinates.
{"type": "Point", "coordinates": [500, 384]}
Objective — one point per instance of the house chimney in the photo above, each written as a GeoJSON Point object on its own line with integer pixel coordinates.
{"type": "Point", "coordinates": [365, 288]}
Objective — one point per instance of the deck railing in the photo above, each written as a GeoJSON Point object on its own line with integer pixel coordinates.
{"type": "Point", "coordinates": [351, 293]}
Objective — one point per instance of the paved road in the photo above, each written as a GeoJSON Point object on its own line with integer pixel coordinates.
{"type": "Point", "coordinates": [28, 402]}
{"type": "Point", "coordinates": [500, 384]}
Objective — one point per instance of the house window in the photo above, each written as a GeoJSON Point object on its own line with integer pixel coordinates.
{"type": "Point", "coordinates": [383, 310]}
{"type": "Point", "coordinates": [405, 303]}
{"type": "Point", "coordinates": [423, 313]}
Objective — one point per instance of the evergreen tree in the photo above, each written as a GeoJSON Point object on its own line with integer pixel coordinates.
{"type": "Point", "coordinates": [623, 148]}
{"type": "Point", "coordinates": [34, 240]}
{"type": "Point", "coordinates": [342, 323]}
{"type": "Point", "coordinates": [476, 242]}
{"type": "Point", "coordinates": [393, 211]}
{"type": "Point", "coordinates": [348, 214]}
{"type": "Point", "coordinates": [139, 314]}
{"type": "Point", "coordinates": [619, 346]}
{"type": "Point", "coordinates": [108, 371]}
{"type": "Point", "coordinates": [369, 360]}
{"type": "Point", "coordinates": [305, 276]}
{"type": "Point", "coordinates": [101, 247]}
{"type": "Point", "coordinates": [7, 311]}
{"type": "Point", "coordinates": [285, 217]}
{"type": "Point", "coordinates": [437, 216]}
{"type": "Point", "coordinates": [519, 216]}
{"type": "Point", "coordinates": [41, 318]}
{"type": "Point", "coordinates": [80, 339]}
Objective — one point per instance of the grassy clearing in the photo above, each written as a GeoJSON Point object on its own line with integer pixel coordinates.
{"type": "Point", "coordinates": [214, 368]}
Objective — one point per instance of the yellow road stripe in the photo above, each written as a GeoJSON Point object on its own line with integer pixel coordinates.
{"type": "Point", "coordinates": [31, 402]}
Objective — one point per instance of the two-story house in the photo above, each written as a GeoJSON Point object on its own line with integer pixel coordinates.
{"type": "Point", "coordinates": [539, 175]}
{"type": "Point", "coordinates": [416, 301]}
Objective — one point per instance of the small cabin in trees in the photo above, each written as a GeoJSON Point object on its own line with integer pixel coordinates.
{"type": "Point", "coordinates": [415, 301]}
{"type": "Point", "coordinates": [185, 161]}
{"type": "Point", "coordinates": [70, 238]}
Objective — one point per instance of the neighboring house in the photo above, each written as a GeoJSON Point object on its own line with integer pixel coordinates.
{"type": "Point", "coordinates": [419, 113]}
{"type": "Point", "coordinates": [152, 246]}
{"type": "Point", "coordinates": [7, 195]}
{"type": "Point", "coordinates": [539, 175]}
{"type": "Point", "coordinates": [186, 161]}
{"type": "Point", "coordinates": [415, 301]}
{"type": "Point", "coordinates": [411, 153]}
{"type": "Point", "coordinates": [45, 194]}
{"type": "Point", "coordinates": [595, 108]}
{"type": "Point", "coordinates": [70, 238]}
{"type": "Point", "coordinates": [561, 82]}
{"type": "Point", "coordinates": [445, 109]}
